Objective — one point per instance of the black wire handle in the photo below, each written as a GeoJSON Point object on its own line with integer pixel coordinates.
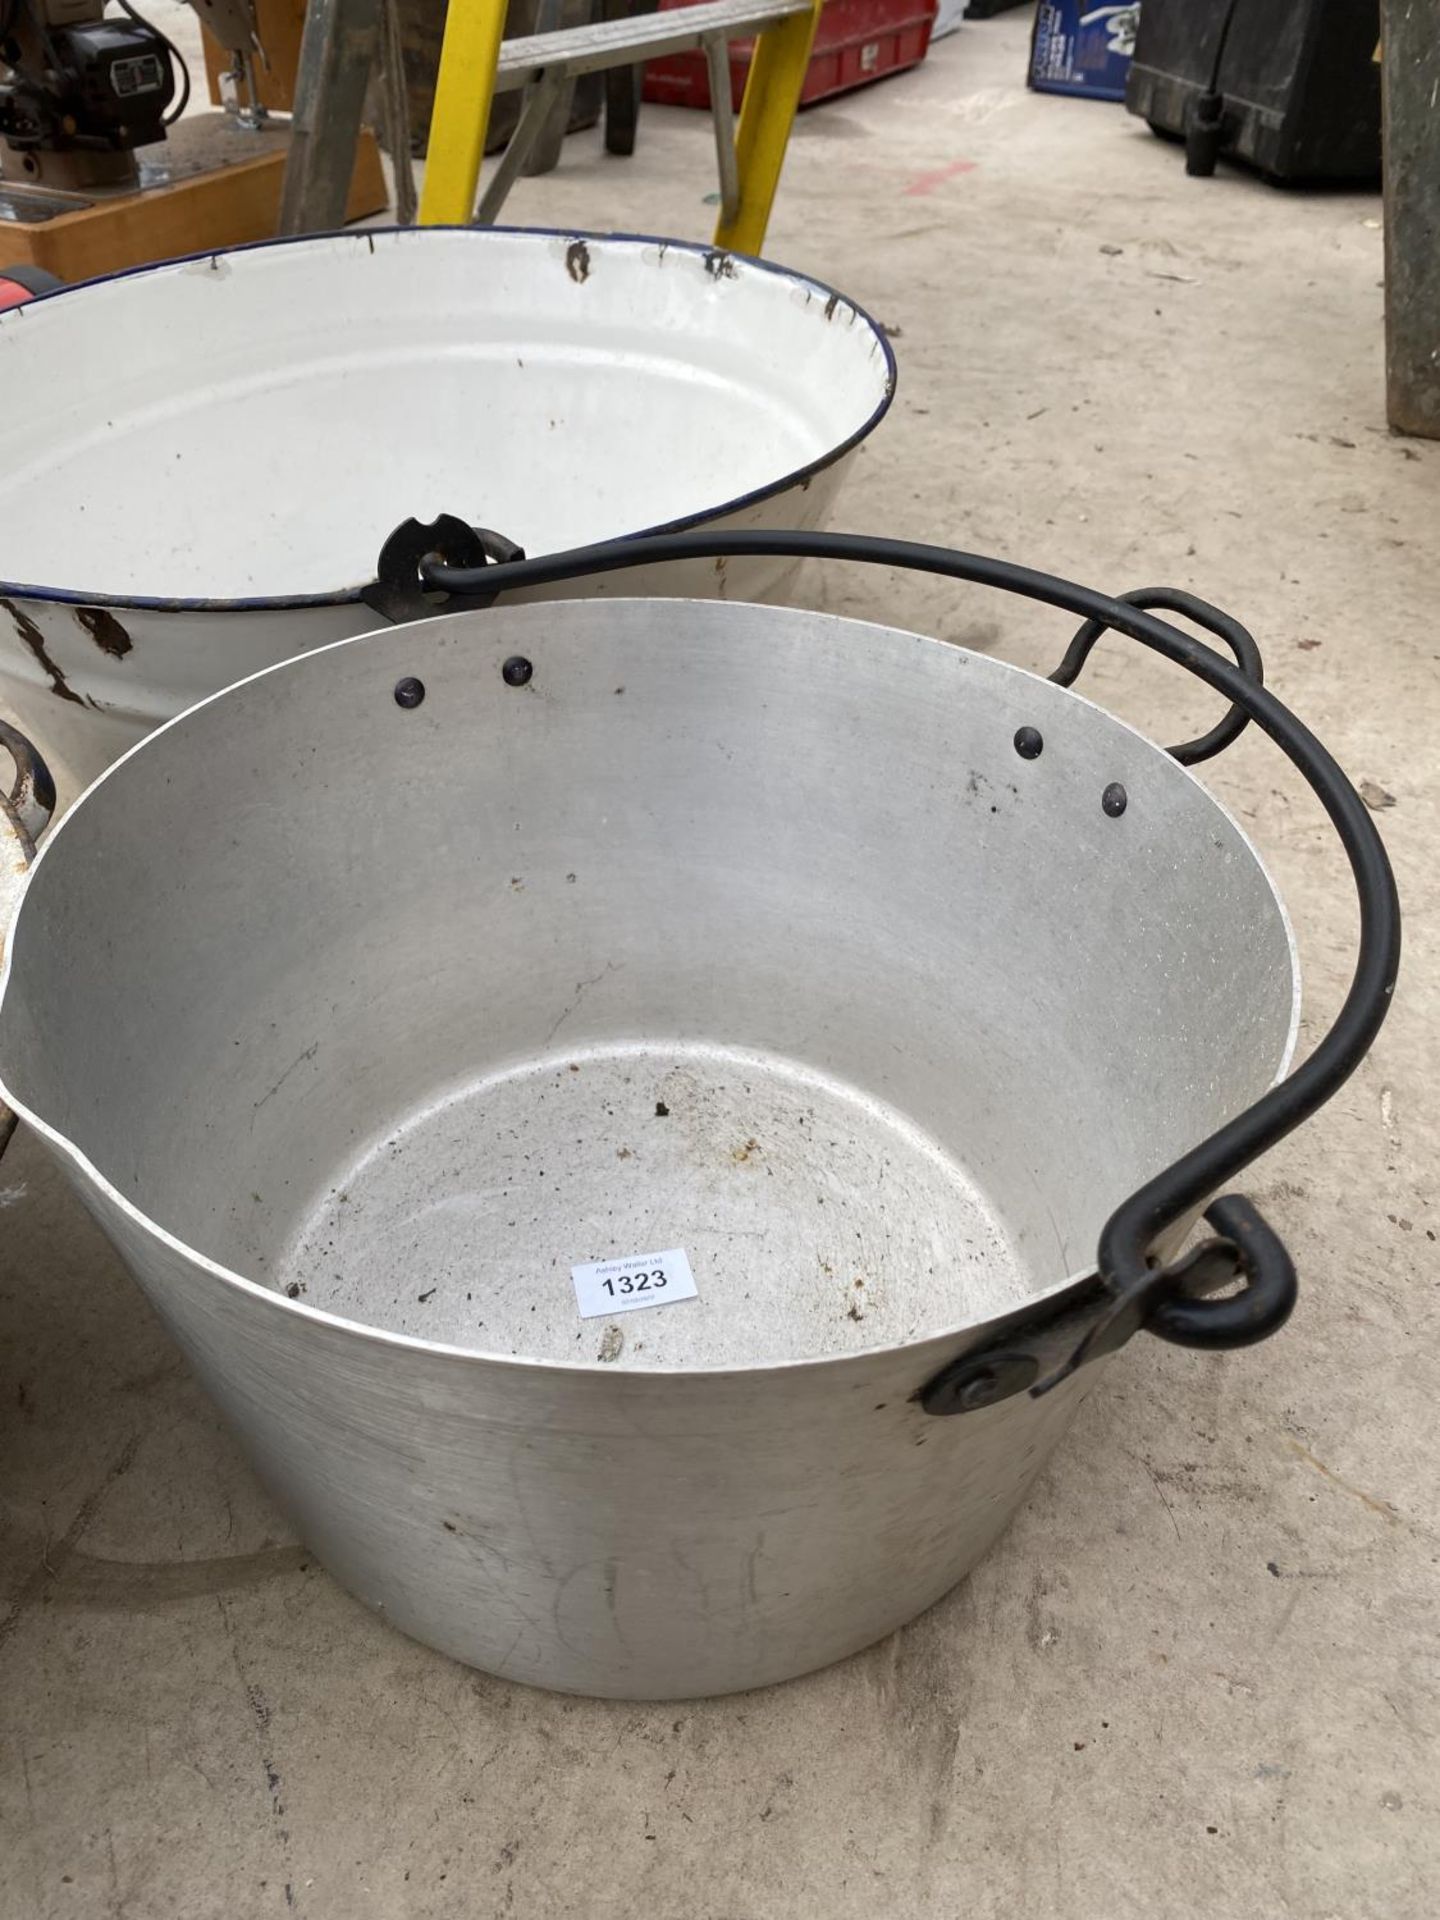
{"type": "Point", "coordinates": [30, 801]}
{"type": "Point", "coordinates": [1224, 626]}
{"type": "Point", "coordinates": [1163, 1299]}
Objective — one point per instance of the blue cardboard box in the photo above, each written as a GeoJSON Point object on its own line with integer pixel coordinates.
{"type": "Point", "coordinates": [1080, 47]}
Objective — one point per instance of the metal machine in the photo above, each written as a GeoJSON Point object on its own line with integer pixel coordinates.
{"type": "Point", "coordinates": [80, 90]}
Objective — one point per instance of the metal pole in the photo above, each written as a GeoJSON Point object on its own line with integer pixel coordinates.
{"type": "Point", "coordinates": [722, 113]}
{"type": "Point", "coordinates": [1411, 79]}
{"type": "Point", "coordinates": [540, 98]}
{"type": "Point", "coordinates": [338, 53]}
{"type": "Point", "coordinates": [396, 105]}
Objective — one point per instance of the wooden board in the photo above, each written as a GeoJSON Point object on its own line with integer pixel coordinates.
{"type": "Point", "coordinates": [279, 23]}
{"type": "Point", "coordinates": [222, 207]}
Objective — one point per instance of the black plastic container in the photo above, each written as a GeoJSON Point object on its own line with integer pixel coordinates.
{"type": "Point", "coordinates": [1290, 87]}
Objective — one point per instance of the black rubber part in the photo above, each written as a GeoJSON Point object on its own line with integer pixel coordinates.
{"type": "Point", "coordinates": [36, 280]}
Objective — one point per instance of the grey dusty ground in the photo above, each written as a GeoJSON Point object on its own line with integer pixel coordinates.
{"type": "Point", "coordinates": [1199, 1677]}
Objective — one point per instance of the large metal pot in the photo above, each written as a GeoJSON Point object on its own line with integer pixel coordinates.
{"type": "Point", "coordinates": [202, 460]}
{"type": "Point", "coordinates": [369, 998]}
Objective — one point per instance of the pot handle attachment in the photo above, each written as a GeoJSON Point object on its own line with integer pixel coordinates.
{"type": "Point", "coordinates": [29, 803]}
{"type": "Point", "coordinates": [1172, 1302]}
{"type": "Point", "coordinates": [1224, 626]}
{"type": "Point", "coordinates": [399, 589]}
{"type": "Point", "coordinates": [26, 808]}
{"type": "Point", "coordinates": [1132, 1289]}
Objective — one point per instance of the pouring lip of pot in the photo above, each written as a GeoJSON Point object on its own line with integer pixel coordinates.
{"type": "Point", "coordinates": [1069, 1291]}
{"type": "Point", "coordinates": [353, 594]}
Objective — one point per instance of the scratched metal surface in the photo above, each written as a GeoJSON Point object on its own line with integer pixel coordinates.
{"type": "Point", "coordinates": [820, 1220]}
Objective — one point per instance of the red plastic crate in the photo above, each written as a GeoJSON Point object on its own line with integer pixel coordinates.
{"type": "Point", "coordinates": [857, 41]}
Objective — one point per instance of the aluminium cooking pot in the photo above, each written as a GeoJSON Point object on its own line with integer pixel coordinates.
{"type": "Point", "coordinates": [619, 1099]}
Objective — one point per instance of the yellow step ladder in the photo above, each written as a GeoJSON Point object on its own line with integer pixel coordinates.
{"type": "Point", "coordinates": [476, 63]}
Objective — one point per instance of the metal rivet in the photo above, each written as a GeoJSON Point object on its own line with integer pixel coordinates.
{"type": "Point", "coordinates": [516, 671]}
{"type": "Point", "coordinates": [1114, 799]}
{"type": "Point", "coordinates": [409, 692]}
{"type": "Point", "coordinates": [973, 1384]}
{"type": "Point", "coordinates": [1029, 743]}
{"type": "Point", "coordinates": [978, 1391]}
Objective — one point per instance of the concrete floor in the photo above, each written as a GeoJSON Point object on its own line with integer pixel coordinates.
{"type": "Point", "coordinates": [1199, 1676]}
